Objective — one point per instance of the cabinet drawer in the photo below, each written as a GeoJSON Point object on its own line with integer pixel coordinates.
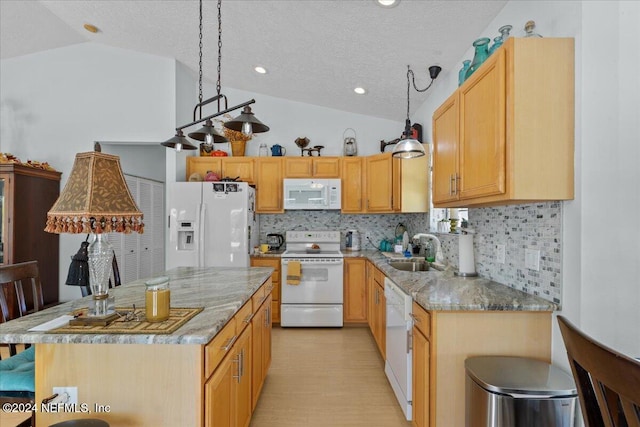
{"type": "Point", "coordinates": [218, 347]}
{"type": "Point", "coordinates": [243, 316]}
{"type": "Point", "coordinates": [421, 319]}
{"type": "Point", "coordinates": [258, 297]}
{"type": "Point", "coordinates": [378, 276]}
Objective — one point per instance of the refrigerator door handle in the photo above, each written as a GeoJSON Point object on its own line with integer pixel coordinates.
{"type": "Point", "coordinates": [201, 225]}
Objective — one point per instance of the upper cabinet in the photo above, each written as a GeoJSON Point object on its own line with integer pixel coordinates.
{"type": "Point", "coordinates": [227, 167]}
{"type": "Point", "coordinates": [269, 185]}
{"type": "Point", "coordinates": [507, 134]}
{"type": "Point", "coordinates": [352, 174]}
{"type": "Point", "coordinates": [312, 167]}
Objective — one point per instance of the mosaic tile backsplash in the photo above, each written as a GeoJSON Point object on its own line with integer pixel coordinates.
{"type": "Point", "coordinates": [518, 227]}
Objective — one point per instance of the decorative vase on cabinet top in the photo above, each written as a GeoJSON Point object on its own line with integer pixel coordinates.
{"type": "Point", "coordinates": [462, 75]}
{"type": "Point", "coordinates": [497, 42]}
{"type": "Point", "coordinates": [481, 54]}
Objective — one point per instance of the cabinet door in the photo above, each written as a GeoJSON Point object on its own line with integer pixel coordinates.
{"type": "Point", "coordinates": [355, 295]}
{"type": "Point", "coordinates": [382, 320]}
{"type": "Point", "coordinates": [243, 379]}
{"type": "Point", "coordinates": [420, 380]}
{"type": "Point", "coordinates": [483, 130]}
{"type": "Point", "coordinates": [202, 165]}
{"type": "Point", "coordinates": [298, 167]}
{"type": "Point", "coordinates": [241, 167]}
{"type": "Point", "coordinates": [379, 183]}
{"type": "Point", "coordinates": [269, 185]}
{"type": "Point", "coordinates": [352, 185]}
{"type": "Point", "coordinates": [326, 167]}
{"type": "Point", "coordinates": [145, 240]}
{"type": "Point", "coordinates": [371, 299]}
{"type": "Point", "coordinates": [266, 337]}
{"type": "Point", "coordinates": [219, 405]}
{"type": "Point", "coordinates": [445, 151]}
{"type": "Point", "coordinates": [257, 350]}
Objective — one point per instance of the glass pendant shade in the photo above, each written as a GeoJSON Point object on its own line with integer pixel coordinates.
{"type": "Point", "coordinates": [208, 132]}
{"type": "Point", "coordinates": [408, 148]}
{"type": "Point", "coordinates": [179, 142]}
{"type": "Point", "coordinates": [238, 124]}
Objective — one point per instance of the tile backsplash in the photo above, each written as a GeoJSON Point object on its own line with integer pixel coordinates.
{"type": "Point", "coordinates": [518, 227]}
{"type": "Point", "coordinates": [372, 228]}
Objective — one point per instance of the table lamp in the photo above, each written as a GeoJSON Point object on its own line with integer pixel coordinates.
{"type": "Point", "coordinates": [96, 200]}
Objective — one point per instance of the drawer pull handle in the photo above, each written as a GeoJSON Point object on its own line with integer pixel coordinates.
{"type": "Point", "coordinates": [230, 342]}
{"type": "Point", "coordinates": [248, 318]}
{"type": "Point", "coordinates": [415, 318]}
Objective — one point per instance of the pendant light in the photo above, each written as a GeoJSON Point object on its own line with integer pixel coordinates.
{"type": "Point", "coordinates": [409, 147]}
{"type": "Point", "coordinates": [207, 133]}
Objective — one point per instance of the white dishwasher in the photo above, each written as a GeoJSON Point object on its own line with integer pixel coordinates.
{"type": "Point", "coordinates": [398, 366]}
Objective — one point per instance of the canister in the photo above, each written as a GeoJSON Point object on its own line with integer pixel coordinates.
{"type": "Point", "coordinates": [157, 299]}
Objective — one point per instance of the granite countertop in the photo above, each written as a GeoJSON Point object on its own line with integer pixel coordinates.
{"type": "Point", "coordinates": [442, 290]}
{"type": "Point", "coordinates": [269, 254]}
{"type": "Point", "coordinates": [221, 291]}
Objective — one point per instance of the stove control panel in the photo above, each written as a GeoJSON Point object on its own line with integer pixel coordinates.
{"type": "Point", "coordinates": [312, 236]}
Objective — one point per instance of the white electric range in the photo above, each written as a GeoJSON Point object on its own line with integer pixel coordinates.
{"type": "Point", "coordinates": [317, 300]}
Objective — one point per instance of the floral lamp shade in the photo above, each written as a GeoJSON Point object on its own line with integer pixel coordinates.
{"type": "Point", "coordinates": [95, 199]}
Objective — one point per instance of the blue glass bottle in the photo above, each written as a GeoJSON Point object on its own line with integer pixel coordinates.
{"type": "Point", "coordinates": [497, 42]}
{"type": "Point", "coordinates": [481, 55]}
{"type": "Point", "coordinates": [462, 75]}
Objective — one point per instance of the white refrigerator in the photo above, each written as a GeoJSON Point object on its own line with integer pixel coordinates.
{"type": "Point", "coordinates": [211, 224]}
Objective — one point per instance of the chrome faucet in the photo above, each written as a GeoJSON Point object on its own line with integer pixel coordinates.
{"type": "Point", "coordinates": [439, 255]}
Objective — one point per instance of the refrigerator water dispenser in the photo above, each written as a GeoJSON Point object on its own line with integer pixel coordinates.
{"type": "Point", "coordinates": [186, 236]}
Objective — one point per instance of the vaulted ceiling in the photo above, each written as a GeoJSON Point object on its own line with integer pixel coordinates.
{"type": "Point", "coordinates": [315, 51]}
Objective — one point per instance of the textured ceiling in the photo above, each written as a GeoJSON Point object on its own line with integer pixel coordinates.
{"type": "Point", "coordinates": [315, 51]}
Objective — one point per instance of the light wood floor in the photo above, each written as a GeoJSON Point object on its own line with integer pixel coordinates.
{"type": "Point", "coordinates": [326, 378]}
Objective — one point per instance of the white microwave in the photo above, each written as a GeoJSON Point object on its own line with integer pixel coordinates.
{"type": "Point", "coordinates": [312, 194]}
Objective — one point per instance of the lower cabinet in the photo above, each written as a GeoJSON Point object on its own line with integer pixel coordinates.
{"type": "Point", "coordinates": [231, 392]}
{"type": "Point", "coordinates": [275, 279]}
{"type": "Point", "coordinates": [376, 307]}
{"type": "Point", "coordinates": [355, 290]}
{"type": "Point", "coordinates": [420, 380]}
{"type": "Point", "coordinates": [228, 391]}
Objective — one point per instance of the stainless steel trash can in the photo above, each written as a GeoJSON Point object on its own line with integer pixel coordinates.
{"type": "Point", "coordinates": [518, 392]}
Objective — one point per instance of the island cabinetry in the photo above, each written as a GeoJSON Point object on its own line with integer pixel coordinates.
{"type": "Point", "coordinates": [273, 262]}
{"type": "Point", "coordinates": [261, 343]}
{"type": "Point", "coordinates": [377, 307]}
{"type": "Point", "coordinates": [353, 179]}
{"type": "Point", "coordinates": [163, 384]}
{"type": "Point", "coordinates": [443, 340]}
{"type": "Point", "coordinates": [312, 167]}
{"type": "Point", "coordinates": [507, 134]}
{"type": "Point", "coordinates": [225, 167]}
{"type": "Point", "coordinates": [355, 290]}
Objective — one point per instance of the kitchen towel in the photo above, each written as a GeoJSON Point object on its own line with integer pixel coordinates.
{"type": "Point", "coordinates": [293, 273]}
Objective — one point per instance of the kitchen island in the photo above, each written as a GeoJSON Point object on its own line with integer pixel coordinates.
{"type": "Point", "coordinates": [146, 379]}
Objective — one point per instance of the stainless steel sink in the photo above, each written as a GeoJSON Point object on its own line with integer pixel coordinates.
{"type": "Point", "coordinates": [410, 265]}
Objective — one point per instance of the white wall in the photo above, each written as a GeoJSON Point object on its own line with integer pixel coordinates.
{"type": "Point", "coordinates": [601, 285]}
{"type": "Point", "coordinates": [54, 104]}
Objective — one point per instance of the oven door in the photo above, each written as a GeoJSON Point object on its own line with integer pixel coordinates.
{"type": "Point", "coordinates": [320, 281]}
{"type": "Point", "coordinates": [317, 300]}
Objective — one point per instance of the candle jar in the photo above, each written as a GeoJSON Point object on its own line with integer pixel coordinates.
{"type": "Point", "coordinates": [157, 299]}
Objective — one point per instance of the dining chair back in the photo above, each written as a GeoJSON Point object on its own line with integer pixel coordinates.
{"type": "Point", "coordinates": [608, 382]}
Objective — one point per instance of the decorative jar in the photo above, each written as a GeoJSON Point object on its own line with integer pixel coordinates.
{"type": "Point", "coordinates": [157, 299]}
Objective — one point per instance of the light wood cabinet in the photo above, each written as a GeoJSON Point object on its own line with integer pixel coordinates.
{"type": "Point", "coordinates": [226, 167]}
{"type": "Point", "coordinates": [268, 181]}
{"type": "Point", "coordinates": [275, 278]}
{"type": "Point", "coordinates": [353, 180]}
{"type": "Point", "coordinates": [507, 134]}
{"type": "Point", "coordinates": [26, 195]}
{"type": "Point", "coordinates": [228, 391]}
{"type": "Point", "coordinates": [312, 167]}
{"type": "Point", "coordinates": [355, 290]}
{"type": "Point", "coordinates": [377, 307]}
{"type": "Point", "coordinates": [420, 367]}
{"type": "Point", "coordinates": [443, 340]}
{"type": "Point", "coordinates": [379, 183]}
{"type": "Point", "coordinates": [261, 342]}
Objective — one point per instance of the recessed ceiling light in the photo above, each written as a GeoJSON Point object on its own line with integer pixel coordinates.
{"type": "Point", "coordinates": [387, 3]}
{"type": "Point", "coordinates": [90, 28]}
{"type": "Point", "coordinates": [360, 90]}
{"type": "Point", "coordinates": [260, 70]}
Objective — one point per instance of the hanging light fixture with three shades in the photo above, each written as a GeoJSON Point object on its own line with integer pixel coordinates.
{"type": "Point", "coordinates": [246, 122]}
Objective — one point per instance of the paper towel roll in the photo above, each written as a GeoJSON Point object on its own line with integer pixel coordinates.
{"type": "Point", "coordinates": [467, 265]}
